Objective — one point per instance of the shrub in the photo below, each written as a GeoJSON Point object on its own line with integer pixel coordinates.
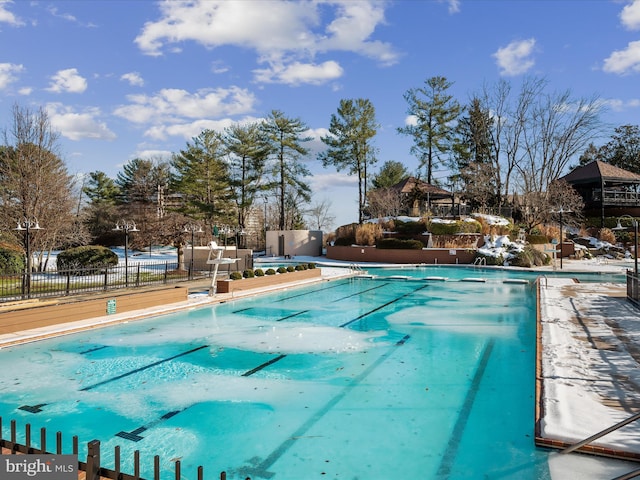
{"type": "Point", "coordinates": [441, 228]}
{"type": "Point", "coordinates": [397, 243]}
{"type": "Point", "coordinates": [410, 228]}
{"type": "Point", "coordinates": [235, 276]}
{"type": "Point", "coordinates": [259, 272]}
{"type": "Point", "coordinates": [248, 273]}
{"type": "Point", "coordinates": [530, 257]}
{"type": "Point", "coordinates": [291, 268]}
{"type": "Point", "coordinates": [282, 270]}
{"type": "Point", "coordinates": [299, 268]}
{"type": "Point", "coordinates": [368, 233]}
{"type": "Point", "coordinates": [311, 266]}
{"type": "Point", "coordinates": [270, 271]}
{"type": "Point", "coordinates": [346, 231]}
{"type": "Point", "coordinates": [606, 235]}
{"type": "Point", "coordinates": [537, 239]}
{"type": "Point", "coordinates": [89, 258]}
{"type": "Point", "coordinates": [491, 260]}
{"type": "Point", "coordinates": [11, 260]}
{"type": "Point", "coordinates": [345, 241]}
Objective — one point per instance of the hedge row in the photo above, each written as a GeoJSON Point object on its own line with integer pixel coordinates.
{"type": "Point", "coordinates": [259, 272]}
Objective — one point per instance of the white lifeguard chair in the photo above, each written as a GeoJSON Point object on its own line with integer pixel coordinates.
{"type": "Point", "coordinates": [216, 258]}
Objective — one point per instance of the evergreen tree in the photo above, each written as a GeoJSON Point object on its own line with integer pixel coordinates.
{"type": "Point", "coordinates": [201, 176]}
{"type": "Point", "coordinates": [286, 137]}
{"type": "Point", "coordinates": [101, 212]}
{"type": "Point", "coordinates": [433, 113]}
{"type": "Point", "coordinates": [349, 143]}
{"type": "Point", "coordinates": [473, 151]}
{"type": "Point", "coordinates": [623, 150]}
{"type": "Point", "coordinates": [248, 153]}
{"type": "Point", "coordinates": [390, 173]}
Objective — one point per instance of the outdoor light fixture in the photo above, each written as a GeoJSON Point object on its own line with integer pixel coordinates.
{"type": "Point", "coordinates": [560, 211]}
{"type": "Point", "coordinates": [192, 229]}
{"type": "Point", "coordinates": [27, 225]}
{"type": "Point", "coordinates": [634, 224]}
{"type": "Point", "coordinates": [127, 227]}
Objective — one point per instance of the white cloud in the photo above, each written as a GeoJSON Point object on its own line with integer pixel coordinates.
{"type": "Point", "coordinates": [8, 74]}
{"type": "Point", "coordinates": [624, 61]}
{"type": "Point", "coordinates": [454, 5]}
{"type": "Point", "coordinates": [67, 81]}
{"type": "Point", "coordinates": [134, 78]}
{"type": "Point", "coordinates": [300, 73]}
{"type": "Point", "coordinates": [515, 58]}
{"type": "Point", "coordinates": [78, 126]}
{"type": "Point", "coordinates": [619, 105]}
{"type": "Point", "coordinates": [630, 15]}
{"type": "Point", "coordinates": [325, 181]}
{"type": "Point", "coordinates": [279, 31]}
{"type": "Point", "coordinates": [6, 16]}
{"type": "Point", "coordinates": [172, 105]}
{"type": "Point", "coordinates": [187, 130]}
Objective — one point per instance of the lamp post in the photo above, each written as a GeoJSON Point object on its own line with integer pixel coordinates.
{"type": "Point", "coordinates": [265, 224]}
{"type": "Point", "coordinates": [26, 225]}
{"type": "Point", "coordinates": [193, 229]}
{"type": "Point", "coordinates": [560, 211]}
{"type": "Point", "coordinates": [634, 224]}
{"type": "Point", "coordinates": [127, 227]}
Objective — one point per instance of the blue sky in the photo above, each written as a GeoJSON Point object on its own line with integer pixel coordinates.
{"type": "Point", "coordinates": [138, 78]}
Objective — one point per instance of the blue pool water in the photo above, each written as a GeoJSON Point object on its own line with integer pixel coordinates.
{"type": "Point", "coordinates": [366, 378]}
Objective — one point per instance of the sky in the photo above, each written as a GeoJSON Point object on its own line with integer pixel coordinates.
{"type": "Point", "coordinates": [125, 79]}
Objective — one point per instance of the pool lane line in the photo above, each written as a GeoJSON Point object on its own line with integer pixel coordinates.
{"type": "Point", "coordinates": [94, 349]}
{"type": "Point", "coordinates": [32, 408]}
{"type": "Point", "coordinates": [360, 292]}
{"type": "Point", "coordinates": [138, 370]}
{"type": "Point", "coordinates": [295, 314]}
{"type": "Point", "coordinates": [444, 471]}
{"type": "Point", "coordinates": [360, 317]}
{"type": "Point", "coordinates": [134, 435]}
{"type": "Point", "coordinates": [260, 470]}
{"type": "Point", "coordinates": [335, 284]}
{"type": "Point", "coordinates": [292, 315]}
{"type": "Point", "coordinates": [248, 373]}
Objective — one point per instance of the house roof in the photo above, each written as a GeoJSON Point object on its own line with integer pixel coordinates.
{"type": "Point", "coordinates": [410, 184]}
{"type": "Point", "coordinates": [597, 171]}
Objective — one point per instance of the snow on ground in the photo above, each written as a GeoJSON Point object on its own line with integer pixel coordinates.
{"type": "Point", "coordinates": [591, 351]}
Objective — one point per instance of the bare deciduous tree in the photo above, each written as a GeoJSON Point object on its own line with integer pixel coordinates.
{"type": "Point", "coordinates": [34, 181]}
{"type": "Point", "coordinates": [319, 215]}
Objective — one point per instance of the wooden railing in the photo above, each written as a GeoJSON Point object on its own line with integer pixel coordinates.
{"type": "Point", "coordinates": [92, 466]}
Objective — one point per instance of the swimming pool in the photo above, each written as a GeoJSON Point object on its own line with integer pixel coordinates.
{"type": "Point", "coordinates": [369, 378]}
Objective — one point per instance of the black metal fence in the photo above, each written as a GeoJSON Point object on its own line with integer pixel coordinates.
{"type": "Point", "coordinates": [633, 288]}
{"type": "Point", "coordinates": [92, 466]}
{"type": "Point", "coordinates": [56, 283]}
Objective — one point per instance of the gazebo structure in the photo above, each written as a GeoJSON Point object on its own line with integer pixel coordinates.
{"type": "Point", "coordinates": [419, 196]}
{"type": "Point", "coordinates": [607, 191]}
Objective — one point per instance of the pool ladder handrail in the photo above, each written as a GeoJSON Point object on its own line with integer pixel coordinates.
{"type": "Point", "coordinates": [356, 269]}
{"type": "Point", "coordinates": [480, 261]}
{"type": "Point", "coordinates": [613, 428]}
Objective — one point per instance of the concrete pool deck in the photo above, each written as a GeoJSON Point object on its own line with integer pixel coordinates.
{"type": "Point", "coordinates": [589, 366]}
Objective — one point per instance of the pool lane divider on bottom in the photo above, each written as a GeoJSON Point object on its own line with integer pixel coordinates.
{"type": "Point", "coordinates": [134, 435]}
{"type": "Point", "coordinates": [141, 369]}
{"type": "Point", "coordinates": [337, 283]}
{"type": "Point", "coordinates": [360, 317]}
{"type": "Point", "coordinates": [260, 469]}
{"type": "Point", "coordinates": [38, 408]}
{"type": "Point", "coordinates": [444, 471]}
